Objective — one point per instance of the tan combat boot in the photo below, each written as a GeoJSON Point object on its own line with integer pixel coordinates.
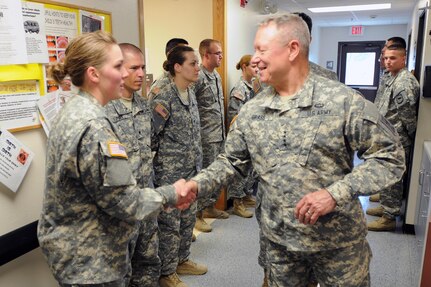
{"type": "Point", "coordinates": [212, 212]}
{"type": "Point", "coordinates": [201, 224]}
{"type": "Point", "coordinates": [376, 211]}
{"type": "Point", "coordinates": [384, 223]}
{"type": "Point", "coordinates": [249, 201]}
{"type": "Point", "coordinates": [189, 267]}
{"type": "Point", "coordinates": [240, 209]}
{"type": "Point", "coordinates": [193, 237]}
{"type": "Point", "coordinates": [375, 197]}
{"type": "Point", "coordinates": [171, 281]}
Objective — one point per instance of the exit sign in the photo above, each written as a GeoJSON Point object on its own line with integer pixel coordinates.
{"type": "Point", "coordinates": [357, 30]}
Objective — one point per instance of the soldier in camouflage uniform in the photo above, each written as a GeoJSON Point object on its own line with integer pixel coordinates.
{"type": "Point", "coordinates": [177, 144]}
{"type": "Point", "coordinates": [300, 137]}
{"type": "Point", "coordinates": [165, 79]}
{"type": "Point", "coordinates": [384, 77]}
{"type": "Point", "coordinates": [240, 190]}
{"type": "Point", "coordinates": [398, 103]}
{"type": "Point", "coordinates": [318, 70]}
{"type": "Point", "coordinates": [132, 117]}
{"type": "Point", "coordinates": [209, 95]}
{"type": "Point", "coordinates": [92, 206]}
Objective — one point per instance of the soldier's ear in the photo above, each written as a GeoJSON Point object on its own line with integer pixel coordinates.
{"type": "Point", "coordinates": [294, 49]}
{"type": "Point", "coordinates": [93, 74]}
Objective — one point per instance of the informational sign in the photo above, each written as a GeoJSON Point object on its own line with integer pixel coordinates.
{"type": "Point", "coordinates": [18, 104]}
{"type": "Point", "coordinates": [50, 104]}
{"type": "Point", "coordinates": [12, 36]}
{"type": "Point", "coordinates": [91, 22]}
{"type": "Point", "coordinates": [35, 36]}
{"type": "Point", "coordinates": [61, 27]}
{"type": "Point", "coordinates": [15, 158]}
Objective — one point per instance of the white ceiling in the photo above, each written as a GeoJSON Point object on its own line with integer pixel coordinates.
{"type": "Point", "coordinates": [400, 13]}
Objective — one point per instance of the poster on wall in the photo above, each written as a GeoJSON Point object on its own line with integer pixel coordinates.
{"type": "Point", "coordinates": [34, 27]}
{"type": "Point", "coordinates": [12, 36]}
{"type": "Point", "coordinates": [15, 159]}
{"type": "Point", "coordinates": [50, 104]}
{"type": "Point", "coordinates": [61, 27]}
{"type": "Point", "coordinates": [18, 104]}
{"type": "Point", "coordinates": [91, 22]}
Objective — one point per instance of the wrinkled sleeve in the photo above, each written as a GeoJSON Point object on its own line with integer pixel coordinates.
{"type": "Point", "coordinates": [377, 144]}
{"type": "Point", "coordinates": [236, 100]}
{"type": "Point", "coordinates": [160, 108]}
{"type": "Point", "coordinates": [234, 162]}
{"type": "Point", "coordinates": [109, 181]}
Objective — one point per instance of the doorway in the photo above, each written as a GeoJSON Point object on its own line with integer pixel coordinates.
{"type": "Point", "coordinates": [359, 66]}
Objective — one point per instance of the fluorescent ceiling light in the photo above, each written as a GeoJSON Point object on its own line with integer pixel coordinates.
{"type": "Point", "coordinates": [350, 8]}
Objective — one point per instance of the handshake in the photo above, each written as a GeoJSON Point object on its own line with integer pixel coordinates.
{"type": "Point", "coordinates": [186, 193]}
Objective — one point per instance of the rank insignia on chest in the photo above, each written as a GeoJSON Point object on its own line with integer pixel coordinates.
{"type": "Point", "coordinates": [162, 111]}
{"type": "Point", "coordinates": [116, 149]}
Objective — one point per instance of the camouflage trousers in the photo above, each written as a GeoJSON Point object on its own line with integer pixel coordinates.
{"type": "Point", "coordinates": [344, 267]}
{"type": "Point", "coordinates": [145, 258]}
{"type": "Point", "coordinates": [210, 151]}
{"type": "Point", "coordinates": [263, 262]}
{"type": "Point", "coordinates": [240, 187]}
{"type": "Point", "coordinates": [175, 237]}
{"type": "Point", "coordinates": [391, 198]}
{"type": "Point", "coordinates": [117, 283]}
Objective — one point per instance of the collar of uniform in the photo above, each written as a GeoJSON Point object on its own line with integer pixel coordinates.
{"type": "Point", "coordinates": [247, 84]}
{"type": "Point", "coordinates": [303, 98]}
{"type": "Point", "coordinates": [88, 96]}
{"type": "Point", "coordinates": [177, 93]}
{"type": "Point", "coordinates": [121, 108]}
{"type": "Point", "coordinates": [207, 73]}
{"type": "Point", "coordinates": [392, 78]}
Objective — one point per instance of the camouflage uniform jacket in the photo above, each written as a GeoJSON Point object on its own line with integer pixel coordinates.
{"type": "Point", "coordinates": [239, 95]}
{"type": "Point", "coordinates": [305, 143]}
{"type": "Point", "coordinates": [319, 70]}
{"type": "Point", "coordinates": [209, 96]}
{"type": "Point", "coordinates": [177, 139]}
{"type": "Point", "coordinates": [91, 204]}
{"type": "Point", "coordinates": [398, 103]}
{"type": "Point", "coordinates": [134, 130]}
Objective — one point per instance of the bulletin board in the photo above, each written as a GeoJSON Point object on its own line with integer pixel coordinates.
{"type": "Point", "coordinates": [19, 79]}
{"type": "Point", "coordinates": [60, 19]}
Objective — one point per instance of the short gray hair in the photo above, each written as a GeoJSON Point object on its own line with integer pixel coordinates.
{"type": "Point", "coordinates": [291, 27]}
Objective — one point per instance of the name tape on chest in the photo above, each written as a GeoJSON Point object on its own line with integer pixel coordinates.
{"type": "Point", "coordinates": [116, 149]}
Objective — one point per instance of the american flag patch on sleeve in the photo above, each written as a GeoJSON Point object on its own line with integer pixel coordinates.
{"type": "Point", "coordinates": [162, 111]}
{"type": "Point", "coordinates": [116, 149]}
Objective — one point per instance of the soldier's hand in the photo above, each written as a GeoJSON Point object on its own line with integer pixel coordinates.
{"type": "Point", "coordinates": [192, 186]}
{"type": "Point", "coordinates": [314, 205]}
{"type": "Point", "coordinates": [185, 195]}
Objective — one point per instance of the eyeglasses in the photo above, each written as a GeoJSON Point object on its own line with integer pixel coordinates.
{"type": "Point", "coordinates": [220, 53]}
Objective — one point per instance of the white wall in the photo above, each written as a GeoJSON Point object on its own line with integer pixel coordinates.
{"type": "Point", "coordinates": [242, 24]}
{"type": "Point", "coordinates": [423, 131]}
{"type": "Point", "coordinates": [166, 19]}
{"type": "Point", "coordinates": [23, 207]}
{"type": "Point", "coordinates": [330, 36]}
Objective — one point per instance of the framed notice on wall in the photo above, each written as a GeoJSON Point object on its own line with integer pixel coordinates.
{"type": "Point", "coordinates": [39, 32]}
